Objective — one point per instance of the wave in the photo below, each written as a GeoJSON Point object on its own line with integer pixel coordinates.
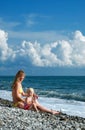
{"type": "Point", "coordinates": [69, 96]}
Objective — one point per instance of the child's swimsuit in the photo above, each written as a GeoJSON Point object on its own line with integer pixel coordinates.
{"type": "Point", "coordinates": [27, 106]}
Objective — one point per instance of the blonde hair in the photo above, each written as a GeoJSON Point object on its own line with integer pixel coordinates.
{"type": "Point", "coordinates": [18, 75]}
{"type": "Point", "coordinates": [30, 90]}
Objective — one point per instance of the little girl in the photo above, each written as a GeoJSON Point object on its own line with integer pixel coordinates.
{"type": "Point", "coordinates": [30, 100]}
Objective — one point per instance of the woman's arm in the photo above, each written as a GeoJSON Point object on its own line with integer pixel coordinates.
{"type": "Point", "coordinates": [24, 94]}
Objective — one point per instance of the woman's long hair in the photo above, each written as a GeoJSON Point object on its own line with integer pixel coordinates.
{"type": "Point", "coordinates": [18, 75]}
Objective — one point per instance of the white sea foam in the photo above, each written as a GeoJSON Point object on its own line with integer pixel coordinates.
{"type": "Point", "coordinates": [6, 94]}
{"type": "Point", "coordinates": [70, 107]}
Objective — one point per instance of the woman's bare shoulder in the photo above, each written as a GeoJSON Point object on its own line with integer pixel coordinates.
{"type": "Point", "coordinates": [16, 84]}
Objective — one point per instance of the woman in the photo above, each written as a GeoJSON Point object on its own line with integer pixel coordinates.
{"type": "Point", "coordinates": [17, 93]}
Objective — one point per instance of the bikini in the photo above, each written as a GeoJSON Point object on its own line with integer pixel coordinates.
{"type": "Point", "coordinates": [16, 104]}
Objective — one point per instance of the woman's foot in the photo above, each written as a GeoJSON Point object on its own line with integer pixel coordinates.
{"type": "Point", "coordinates": [55, 112]}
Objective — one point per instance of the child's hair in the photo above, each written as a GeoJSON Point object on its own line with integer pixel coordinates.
{"type": "Point", "coordinates": [30, 90]}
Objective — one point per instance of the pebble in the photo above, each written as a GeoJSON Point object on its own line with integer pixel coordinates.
{"type": "Point", "coordinates": [18, 119]}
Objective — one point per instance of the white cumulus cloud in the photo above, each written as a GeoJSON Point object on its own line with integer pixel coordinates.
{"type": "Point", "coordinates": [5, 51]}
{"type": "Point", "coordinates": [69, 52]}
{"type": "Point", "coordinates": [60, 53]}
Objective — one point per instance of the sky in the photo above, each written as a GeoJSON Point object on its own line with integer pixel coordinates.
{"type": "Point", "coordinates": [42, 37]}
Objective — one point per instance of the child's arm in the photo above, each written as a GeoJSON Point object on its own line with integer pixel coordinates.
{"type": "Point", "coordinates": [35, 96]}
{"type": "Point", "coordinates": [35, 107]}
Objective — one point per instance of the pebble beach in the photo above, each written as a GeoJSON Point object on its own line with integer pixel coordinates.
{"type": "Point", "coordinates": [18, 119]}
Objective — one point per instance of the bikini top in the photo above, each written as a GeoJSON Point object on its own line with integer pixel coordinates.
{"type": "Point", "coordinates": [20, 90]}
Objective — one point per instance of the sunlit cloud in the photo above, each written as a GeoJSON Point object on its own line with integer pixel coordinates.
{"type": "Point", "coordinates": [64, 52]}
{"type": "Point", "coordinates": [59, 53]}
{"type": "Point", "coordinates": [5, 51]}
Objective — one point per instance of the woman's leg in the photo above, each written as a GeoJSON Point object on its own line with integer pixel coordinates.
{"type": "Point", "coordinates": [20, 105]}
{"type": "Point", "coordinates": [44, 109]}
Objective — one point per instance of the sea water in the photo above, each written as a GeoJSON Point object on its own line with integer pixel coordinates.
{"type": "Point", "coordinates": [62, 93]}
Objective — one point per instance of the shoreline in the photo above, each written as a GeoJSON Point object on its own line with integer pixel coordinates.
{"type": "Point", "coordinates": [15, 118]}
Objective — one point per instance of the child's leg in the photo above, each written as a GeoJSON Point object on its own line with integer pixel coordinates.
{"type": "Point", "coordinates": [35, 107]}
{"type": "Point", "coordinates": [44, 109]}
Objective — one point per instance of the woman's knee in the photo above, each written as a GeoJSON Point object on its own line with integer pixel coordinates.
{"type": "Point", "coordinates": [21, 105]}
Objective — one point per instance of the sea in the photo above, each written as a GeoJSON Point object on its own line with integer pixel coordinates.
{"type": "Point", "coordinates": [62, 93]}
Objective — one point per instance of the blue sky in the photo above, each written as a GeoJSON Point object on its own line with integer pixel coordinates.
{"type": "Point", "coordinates": [42, 37]}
